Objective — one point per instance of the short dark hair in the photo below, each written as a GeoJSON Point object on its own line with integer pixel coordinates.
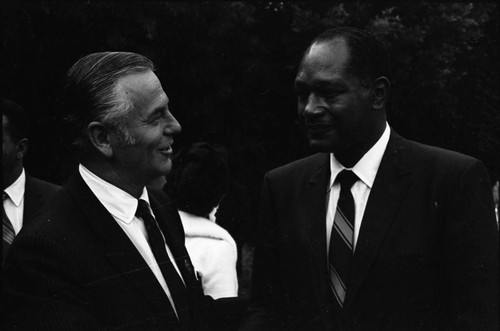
{"type": "Point", "coordinates": [368, 59]}
{"type": "Point", "coordinates": [199, 178]}
{"type": "Point", "coordinates": [17, 117]}
{"type": "Point", "coordinates": [90, 91]}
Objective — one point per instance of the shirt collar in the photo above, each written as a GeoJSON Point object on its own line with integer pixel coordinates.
{"type": "Point", "coordinates": [367, 167]}
{"type": "Point", "coordinates": [117, 202]}
{"type": "Point", "coordinates": [16, 189]}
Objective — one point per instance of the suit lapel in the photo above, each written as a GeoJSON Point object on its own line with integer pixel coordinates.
{"type": "Point", "coordinates": [32, 199]}
{"type": "Point", "coordinates": [315, 202]}
{"type": "Point", "coordinates": [389, 189]}
{"type": "Point", "coordinates": [119, 250]}
{"type": "Point", "coordinates": [167, 218]}
{"type": "Point", "coordinates": [170, 224]}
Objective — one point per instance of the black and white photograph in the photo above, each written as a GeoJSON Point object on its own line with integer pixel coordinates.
{"type": "Point", "coordinates": [250, 165]}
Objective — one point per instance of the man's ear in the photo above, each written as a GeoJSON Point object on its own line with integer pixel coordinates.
{"type": "Point", "coordinates": [22, 148]}
{"type": "Point", "coordinates": [381, 88]}
{"type": "Point", "coordinates": [99, 136]}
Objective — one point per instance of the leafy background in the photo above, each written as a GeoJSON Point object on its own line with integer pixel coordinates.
{"type": "Point", "coordinates": [228, 68]}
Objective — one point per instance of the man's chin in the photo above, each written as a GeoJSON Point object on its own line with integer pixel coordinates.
{"type": "Point", "coordinates": [321, 145]}
{"type": "Point", "coordinates": [157, 183]}
{"type": "Point", "coordinates": [162, 169]}
{"type": "Point", "coordinates": [167, 167]}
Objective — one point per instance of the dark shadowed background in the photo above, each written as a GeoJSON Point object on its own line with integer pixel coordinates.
{"type": "Point", "coordinates": [228, 69]}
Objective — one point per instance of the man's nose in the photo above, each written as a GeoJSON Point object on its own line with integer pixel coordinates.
{"type": "Point", "coordinates": [172, 126]}
{"type": "Point", "coordinates": [314, 105]}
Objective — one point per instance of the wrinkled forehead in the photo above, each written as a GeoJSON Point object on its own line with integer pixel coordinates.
{"type": "Point", "coordinates": [324, 59]}
{"type": "Point", "coordinates": [139, 83]}
{"type": "Point", "coordinates": [140, 88]}
{"type": "Point", "coordinates": [327, 53]}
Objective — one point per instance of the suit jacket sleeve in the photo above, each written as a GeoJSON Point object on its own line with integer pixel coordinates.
{"type": "Point", "coordinates": [56, 302]}
{"type": "Point", "coordinates": [262, 313]}
{"type": "Point", "coordinates": [469, 253]}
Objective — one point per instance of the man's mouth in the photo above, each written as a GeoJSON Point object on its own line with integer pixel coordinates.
{"type": "Point", "coordinates": [318, 127]}
{"type": "Point", "coordinates": [166, 150]}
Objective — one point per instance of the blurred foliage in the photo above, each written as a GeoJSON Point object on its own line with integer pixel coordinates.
{"type": "Point", "coordinates": [228, 69]}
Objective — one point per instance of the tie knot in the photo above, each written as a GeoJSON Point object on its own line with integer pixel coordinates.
{"type": "Point", "coordinates": [346, 178]}
{"type": "Point", "coordinates": [142, 208]}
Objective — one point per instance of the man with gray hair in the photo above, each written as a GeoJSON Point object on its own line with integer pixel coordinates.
{"type": "Point", "coordinates": [109, 253]}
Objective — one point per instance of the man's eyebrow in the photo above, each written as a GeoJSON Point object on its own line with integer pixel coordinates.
{"type": "Point", "coordinates": [158, 110]}
{"type": "Point", "coordinates": [321, 84]}
{"type": "Point", "coordinates": [330, 83]}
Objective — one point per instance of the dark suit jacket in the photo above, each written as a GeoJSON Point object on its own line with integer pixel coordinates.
{"type": "Point", "coordinates": [426, 256]}
{"type": "Point", "coordinates": [37, 193]}
{"type": "Point", "coordinates": [75, 269]}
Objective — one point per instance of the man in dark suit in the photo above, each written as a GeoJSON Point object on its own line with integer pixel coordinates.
{"type": "Point", "coordinates": [109, 254]}
{"type": "Point", "coordinates": [375, 232]}
{"type": "Point", "coordinates": [23, 195]}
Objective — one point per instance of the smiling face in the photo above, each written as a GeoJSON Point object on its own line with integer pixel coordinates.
{"type": "Point", "coordinates": [336, 108]}
{"type": "Point", "coordinates": [150, 126]}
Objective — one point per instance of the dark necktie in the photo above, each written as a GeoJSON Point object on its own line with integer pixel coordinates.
{"type": "Point", "coordinates": [8, 230]}
{"type": "Point", "coordinates": [342, 238]}
{"type": "Point", "coordinates": [157, 244]}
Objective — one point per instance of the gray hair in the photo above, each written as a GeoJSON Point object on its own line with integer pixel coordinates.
{"type": "Point", "coordinates": [92, 93]}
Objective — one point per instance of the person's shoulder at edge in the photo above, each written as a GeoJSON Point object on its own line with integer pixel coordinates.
{"type": "Point", "coordinates": [196, 227]}
{"type": "Point", "coordinates": [49, 185]}
{"type": "Point", "coordinates": [307, 162]}
{"type": "Point", "coordinates": [442, 156]}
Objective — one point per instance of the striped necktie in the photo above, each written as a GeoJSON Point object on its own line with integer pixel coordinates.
{"type": "Point", "coordinates": [342, 238]}
{"type": "Point", "coordinates": [8, 230]}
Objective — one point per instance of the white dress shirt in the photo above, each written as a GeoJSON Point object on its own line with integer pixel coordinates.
{"type": "Point", "coordinates": [122, 206]}
{"type": "Point", "coordinates": [14, 204]}
{"type": "Point", "coordinates": [214, 255]}
{"type": "Point", "coordinates": [366, 170]}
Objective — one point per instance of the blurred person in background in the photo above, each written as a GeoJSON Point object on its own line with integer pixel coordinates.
{"type": "Point", "coordinates": [23, 195]}
{"type": "Point", "coordinates": [197, 183]}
